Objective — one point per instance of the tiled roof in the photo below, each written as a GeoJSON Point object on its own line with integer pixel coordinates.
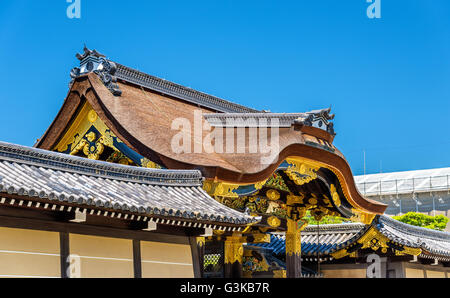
{"type": "Point", "coordinates": [169, 88]}
{"type": "Point", "coordinates": [318, 118]}
{"type": "Point", "coordinates": [335, 237]}
{"type": "Point", "coordinates": [93, 61]}
{"type": "Point", "coordinates": [433, 242]}
{"type": "Point", "coordinates": [331, 239]}
{"type": "Point", "coordinates": [31, 172]}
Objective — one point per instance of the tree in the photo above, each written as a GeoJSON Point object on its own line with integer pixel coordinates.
{"type": "Point", "coordinates": [326, 220]}
{"type": "Point", "coordinates": [438, 222]}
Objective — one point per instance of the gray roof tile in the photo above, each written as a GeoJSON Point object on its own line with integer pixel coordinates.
{"type": "Point", "coordinates": [335, 237]}
{"type": "Point", "coordinates": [54, 176]}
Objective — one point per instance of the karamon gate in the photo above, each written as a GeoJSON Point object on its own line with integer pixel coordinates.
{"type": "Point", "coordinates": [276, 167]}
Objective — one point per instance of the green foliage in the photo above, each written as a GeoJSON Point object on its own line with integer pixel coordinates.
{"type": "Point", "coordinates": [438, 222]}
{"type": "Point", "coordinates": [326, 220]}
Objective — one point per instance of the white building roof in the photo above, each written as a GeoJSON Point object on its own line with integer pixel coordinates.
{"type": "Point", "coordinates": [404, 182]}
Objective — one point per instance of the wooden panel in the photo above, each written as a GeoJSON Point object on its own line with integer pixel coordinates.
{"type": "Point", "coordinates": [435, 274]}
{"type": "Point", "coordinates": [29, 253]}
{"type": "Point", "coordinates": [165, 260]}
{"type": "Point", "coordinates": [347, 273]}
{"type": "Point", "coordinates": [414, 273]}
{"type": "Point", "coordinates": [102, 257]}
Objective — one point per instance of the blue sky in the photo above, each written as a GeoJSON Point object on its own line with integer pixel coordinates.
{"type": "Point", "coordinates": [387, 80]}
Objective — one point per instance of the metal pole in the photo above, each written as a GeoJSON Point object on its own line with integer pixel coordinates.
{"type": "Point", "coordinates": [364, 164]}
{"type": "Point", "coordinates": [318, 242]}
{"type": "Point", "coordinates": [448, 190]}
{"type": "Point", "coordinates": [434, 208]}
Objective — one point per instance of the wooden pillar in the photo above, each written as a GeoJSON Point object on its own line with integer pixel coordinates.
{"type": "Point", "coordinates": [234, 252]}
{"type": "Point", "coordinates": [64, 254]}
{"type": "Point", "coordinates": [293, 249]}
{"type": "Point", "coordinates": [198, 255]}
{"type": "Point", "coordinates": [137, 259]}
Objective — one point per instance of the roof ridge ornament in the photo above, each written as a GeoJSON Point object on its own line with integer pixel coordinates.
{"type": "Point", "coordinates": [87, 53]}
{"type": "Point", "coordinates": [93, 61]}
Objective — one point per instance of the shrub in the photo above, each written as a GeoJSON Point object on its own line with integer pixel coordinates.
{"type": "Point", "coordinates": [438, 222]}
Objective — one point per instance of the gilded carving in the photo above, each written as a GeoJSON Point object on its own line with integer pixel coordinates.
{"type": "Point", "coordinates": [261, 238]}
{"type": "Point", "coordinates": [340, 254]}
{"type": "Point", "coordinates": [120, 158]}
{"type": "Point", "coordinates": [295, 213]}
{"type": "Point", "coordinates": [221, 189]}
{"type": "Point", "coordinates": [299, 160]}
{"type": "Point", "coordinates": [254, 263]}
{"type": "Point", "coordinates": [279, 274]}
{"type": "Point", "coordinates": [413, 251]}
{"type": "Point", "coordinates": [327, 202]}
{"type": "Point", "coordinates": [277, 182]}
{"type": "Point", "coordinates": [293, 237]}
{"type": "Point", "coordinates": [335, 196]}
{"type": "Point", "coordinates": [302, 172]}
{"type": "Point", "coordinates": [259, 185]}
{"type": "Point", "coordinates": [89, 148]}
{"type": "Point", "coordinates": [363, 217]}
{"type": "Point", "coordinates": [147, 163]}
{"type": "Point", "coordinates": [233, 250]}
{"type": "Point", "coordinates": [293, 199]}
{"type": "Point", "coordinates": [89, 135]}
{"type": "Point", "coordinates": [374, 240]}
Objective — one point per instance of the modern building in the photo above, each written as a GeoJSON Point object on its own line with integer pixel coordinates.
{"type": "Point", "coordinates": [423, 191]}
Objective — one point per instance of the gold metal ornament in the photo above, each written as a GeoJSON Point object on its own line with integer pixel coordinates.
{"type": "Point", "coordinates": [92, 116]}
{"type": "Point", "coordinates": [273, 195]}
{"type": "Point", "coordinates": [201, 241]}
{"type": "Point", "coordinates": [274, 221]}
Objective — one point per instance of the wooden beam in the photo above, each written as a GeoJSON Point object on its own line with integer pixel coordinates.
{"type": "Point", "coordinates": [61, 219]}
{"type": "Point", "coordinates": [208, 232]}
{"type": "Point", "coordinates": [80, 217]}
{"type": "Point", "coordinates": [85, 229]}
{"type": "Point", "coordinates": [151, 226]}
